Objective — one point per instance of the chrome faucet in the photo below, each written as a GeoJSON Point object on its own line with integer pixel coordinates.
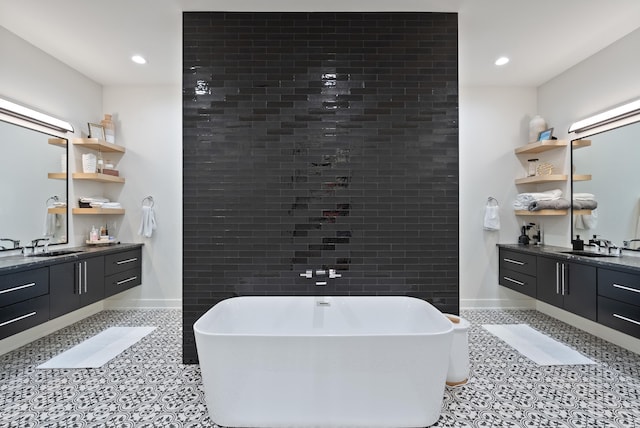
{"type": "Point", "coordinates": [627, 244]}
{"type": "Point", "coordinates": [15, 242]}
{"type": "Point", "coordinates": [35, 242]}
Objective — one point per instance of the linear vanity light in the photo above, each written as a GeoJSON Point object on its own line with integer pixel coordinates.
{"type": "Point", "coordinates": [21, 112]}
{"type": "Point", "coordinates": [608, 116]}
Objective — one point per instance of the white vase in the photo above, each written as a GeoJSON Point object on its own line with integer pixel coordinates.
{"type": "Point", "coordinates": [536, 125]}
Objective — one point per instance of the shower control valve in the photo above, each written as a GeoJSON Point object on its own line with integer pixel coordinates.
{"type": "Point", "coordinates": [333, 274]}
{"type": "Point", "coordinates": [307, 274]}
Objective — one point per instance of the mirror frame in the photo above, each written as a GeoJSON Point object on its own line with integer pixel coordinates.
{"type": "Point", "coordinates": [18, 115]}
{"type": "Point", "coordinates": [613, 118]}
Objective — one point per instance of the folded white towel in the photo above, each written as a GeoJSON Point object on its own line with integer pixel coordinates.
{"type": "Point", "coordinates": [587, 221]}
{"type": "Point", "coordinates": [110, 205]}
{"type": "Point", "coordinates": [147, 222]}
{"type": "Point", "coordinates": [492, 215]}
{"type": "Point", "coordinates": [50, 222]}
{"type": "Point", "coordinates": [523, 200]}
{"type": "Point", "coordinates": [584, 196]}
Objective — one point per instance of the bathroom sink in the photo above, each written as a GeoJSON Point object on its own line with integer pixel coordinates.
{"type": "Point", "coordinates": [587, 253]}
{"type": "Point", "coordinates": [56, 253]}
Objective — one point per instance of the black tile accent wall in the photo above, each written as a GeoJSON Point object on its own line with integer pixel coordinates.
{"type": "Point", "coordinates": [319, 140]}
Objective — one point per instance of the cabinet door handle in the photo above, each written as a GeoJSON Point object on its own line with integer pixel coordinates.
{"type": "Point", "coordinates": [563, 280]}
{"type": "Point", "coordinates": [121, 262]}
{"type": "Point", "coordinates": [19, 287]}
{"type": "Point", "coordinates": [635, 290]}
{"type": "Point", "coordinates": [557, 278]}
{"type": "Point", "coordinates": [17, 319]}
{"type": "Point", "coordinates": [626, 319]}
{"type": "Point", "coordinates": [79, 278]}
{"type": "Point", "coordinates": [85, 277]}
{"type": "Point", "coordinates": [506, 278]}
{"type": "Point", "coordinates": [515, 262]}
{"type": "Point", "coordinates": [133, 278]}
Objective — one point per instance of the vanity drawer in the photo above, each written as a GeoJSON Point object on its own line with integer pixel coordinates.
{"type": "Point", "coordinates": [120, 262]}
{"type": "Point", "coordinates": [619, 315]}
{"type": "Point", "coordinates": [619, 285]}
{"type": "Point", "coordinates": [525, 284]}
{"type": "Point", "coordinates": [518, 262]}
{"type": "Point", "coordinates": [16, 287]}
{"type": "Point", "coordinates": [121, 281]}
{"type": "Point", "coordinates": [21, 316]}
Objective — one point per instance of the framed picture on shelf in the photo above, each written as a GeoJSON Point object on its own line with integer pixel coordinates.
{"type": "Point", "coordinates": [547, 134]}
{"type": "Point", "coordinates": [96, 131]}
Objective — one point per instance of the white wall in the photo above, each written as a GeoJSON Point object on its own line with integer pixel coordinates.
{"type": "Point", "coordinates": [149, 125]}
{"type": "Point", "coordinates": [493, 122]}
{"type": "Point", "coordinates": [602, 81]}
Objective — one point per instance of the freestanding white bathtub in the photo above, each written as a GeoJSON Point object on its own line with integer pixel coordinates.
{"type": "Point", "coordinates": [323, 361]}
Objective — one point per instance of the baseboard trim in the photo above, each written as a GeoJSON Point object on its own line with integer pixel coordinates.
{"type": "Point", "coordinates": [523, 303]}
{"type": "Point", "coordinates": [119, 304]}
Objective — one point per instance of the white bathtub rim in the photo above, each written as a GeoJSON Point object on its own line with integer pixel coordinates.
{"type": "Point", "coordinates": [198, 330]}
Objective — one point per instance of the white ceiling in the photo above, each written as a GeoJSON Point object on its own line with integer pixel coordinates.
{"type": "Point", "coordinates": [542, 37]}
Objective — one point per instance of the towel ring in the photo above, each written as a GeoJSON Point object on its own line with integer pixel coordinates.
{"type": "Point", "coordinates": [53, 198]}
{"type": "Point", "coordinates": [149, 200]}
{"type": "Point", "coordinates": [491, 199]}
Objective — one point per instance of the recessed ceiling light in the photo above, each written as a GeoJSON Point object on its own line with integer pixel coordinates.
{"type": "Point", "coordinates": [502, 60]}
{"type": "Point", "coordinates": [138, 59]}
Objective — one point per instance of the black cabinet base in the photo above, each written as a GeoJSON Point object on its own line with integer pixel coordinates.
{"type": "Point", "coordinates": [619, 315]}
{"type": "Point", "coordinates": [24, 315]}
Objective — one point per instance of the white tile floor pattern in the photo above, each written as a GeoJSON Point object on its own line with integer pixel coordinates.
{"type": "Point", "coordinates": [148, 386]}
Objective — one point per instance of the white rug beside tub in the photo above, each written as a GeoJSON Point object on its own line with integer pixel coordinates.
{"type": "Point", "coordinates": [99, 349]}
{"type": "Point", "coordinates": [536, 346]}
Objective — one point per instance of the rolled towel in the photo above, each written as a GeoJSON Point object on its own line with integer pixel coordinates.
{"type": "Point", "coordinates": [523, 200]}
{"type": "Point", "coordinates": [557, 204]}
{"type": "Point", "coordinates": [584, 204]}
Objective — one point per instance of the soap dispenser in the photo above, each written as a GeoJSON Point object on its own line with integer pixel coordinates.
{"type": "Point", "coordinates": [524, 237]}
{"type": "Point", "coordinates": [577, 244]}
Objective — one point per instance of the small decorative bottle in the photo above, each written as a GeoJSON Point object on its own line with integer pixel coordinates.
{"type": "Point", "coordinates": [109, 129]}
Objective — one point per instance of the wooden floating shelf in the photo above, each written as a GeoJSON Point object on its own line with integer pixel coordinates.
{"type": "Point", "coordinates": [57, 175]}
{"type": "Point", "coordinates": [581, 212]}
{"type": "Point", "coordinates": [542, 179]}
{"type": "Point", "coordinates": [581, 177]}
{"type": "Point", "coordinates": [98, 211]}
{"type": "Point", "coordinates": [96, 144]}
{"type": "Point", "coordinates": [541, 146]}
{"type": "Point", "coordinates": [578, 144]}
{"type": "Point", "coordinates": [542, 212]}
{"type": "Point", "coordinates": [57, 210]}
{"type": "Point", "coordinates": [103, 178]}
{"type": "Point", "coordinates": [60, 142]}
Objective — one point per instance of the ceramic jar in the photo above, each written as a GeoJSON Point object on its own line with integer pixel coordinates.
{"type": "Point", "coordinates": [536, 125]}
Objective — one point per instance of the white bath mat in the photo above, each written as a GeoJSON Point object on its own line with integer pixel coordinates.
{"type": "Point", "coordinates": [536, 346]}
{"type": "Point", "coordinates": [97, 350]}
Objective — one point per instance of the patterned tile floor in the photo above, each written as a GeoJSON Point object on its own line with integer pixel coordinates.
{"type": "Point", "coordinates": [147, 386]}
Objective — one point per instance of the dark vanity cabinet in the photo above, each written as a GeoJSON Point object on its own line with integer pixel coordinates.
{"type": "Point", "coordinates": [122, 271]}
{"type": "Point", "coordinates": [567, 285]}
{"type": "Point", "coordinates": [24, 300]}
{"type": "Point", "coordinates": [76, 284]}
{"type": "Point", "coordinates": [619, 300]}
{"type": "Point", "coordinates": [518, 272]}
{"type": "Point", "coordinates": [604, 290]}
{"type": "Point", "coordinates": [39, 289]}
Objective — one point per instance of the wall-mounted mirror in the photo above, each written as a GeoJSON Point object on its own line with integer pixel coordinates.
{"type": "Point", "coordinates": [33, 187]}
{"type": "Point", "coordinates": [612, 160]}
